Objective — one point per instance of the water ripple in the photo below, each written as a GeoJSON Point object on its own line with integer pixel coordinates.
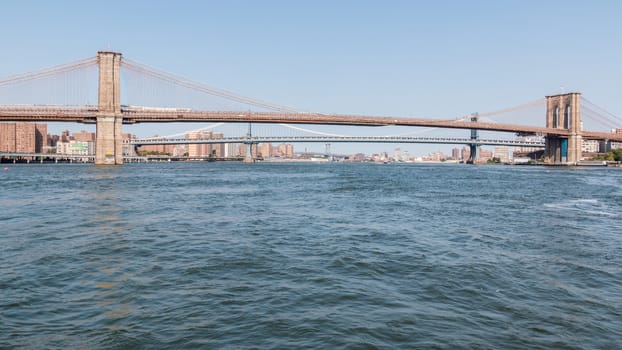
{"type": "Point", "coordinates": [345, 256]}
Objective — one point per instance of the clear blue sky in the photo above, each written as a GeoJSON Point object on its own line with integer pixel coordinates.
{"type": "Point", "coordinates": [436, 59]}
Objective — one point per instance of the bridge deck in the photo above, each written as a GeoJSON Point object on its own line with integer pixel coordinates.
{"type": "Point", "coordinates": [88, 114]}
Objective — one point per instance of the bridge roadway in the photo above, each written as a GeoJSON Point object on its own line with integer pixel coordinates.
{"type": "Point", "coordinates": [334, 139]}
{"type": "Point", "coordinates": [131, 115]}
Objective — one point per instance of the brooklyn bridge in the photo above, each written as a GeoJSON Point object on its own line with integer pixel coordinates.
{"type": "Point", "coordinates": [562, 128]}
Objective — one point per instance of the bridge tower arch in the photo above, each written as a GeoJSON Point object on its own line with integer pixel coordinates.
{"type": "Point", "coordinates": [109, 142]}
{"type": "Point", "coordinates": [563, 112]}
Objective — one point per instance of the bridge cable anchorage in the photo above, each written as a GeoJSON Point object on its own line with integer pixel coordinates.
{"type": "Point", "coordinates": [63, 68]}
{"type": "Point", "coordinates": [201, 87]}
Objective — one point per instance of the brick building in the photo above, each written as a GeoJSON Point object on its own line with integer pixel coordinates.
{"type": "Point", "coordinates": [22, 137]}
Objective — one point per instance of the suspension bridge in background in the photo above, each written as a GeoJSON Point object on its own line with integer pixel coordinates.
{"type": "Point", "coordinates": [334, 139]}
{"type": "Point", "coordinates": [62, 94]}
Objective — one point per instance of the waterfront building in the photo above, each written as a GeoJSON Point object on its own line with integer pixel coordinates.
{"type": "Point", "coordinates": [406, 156]}
{"type": "Point", "coordinates": [128, 149]}
{"type": "Point", "coordinates": [502, 153]}
{"type": "Point", "coordinates": [590, 146]}
{"type": "Point", "coordinates": [76, 148]}
{"type": "Point", "coordinates": [485, 155]}
{"type": "Point", "coordinates": [232, 150]}
{"type": "Point", "coordinates": [156, 149]}
{"type": "Point", "coordinates": [148, 149]}
{"type": "Point", "coordinates": [244, 147]}
{"type": "Point", "coordinates": [179, 150]}
{"type": "Point", "coordinates": [359, 157]}
{"type": "Point", "coordinates": [52, 140]}
{"type": "Point", "coordinates": [199, 150]}
{"type": "Point", "coordinates": [41, 133]}
{"type": "Point", "coordinates": [607, 146]}
{"type": "Point", "coordinates": [397, 155]}
{"type": "Point", "coordinates": [435, 157]}
{"type": "Point", "coordinates": [65, 136]}
{"type": "Point", "coordinates": [266, 150]}
{"type": "Point", "coordinates": [83, 136]}
{"type": "Point", "coordinates": [284, 150]}
{"type": "Point", "coordinates": [455, 153]}
{"type": "Point", "coordinates": [528, 149]}
{"type": "Point", "coordinates": [63, 147]}
{"type": "Point", "coordinates": [218, 149]}
{"type": "Point", "coordinates": [23, 137]}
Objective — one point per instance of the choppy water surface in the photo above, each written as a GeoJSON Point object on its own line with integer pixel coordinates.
{"type": "Point", "coordinates": [326, 256]}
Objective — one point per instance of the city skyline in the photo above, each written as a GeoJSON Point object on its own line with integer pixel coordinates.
{"type": "Point", "coordinates": [29, 138]}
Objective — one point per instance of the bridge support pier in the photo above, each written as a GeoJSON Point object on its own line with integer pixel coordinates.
{"type": "Point", "coordinates": [473, 154]}
{"type": "Point", "coordinates": [473, 147]}
{"type": "Point", "coordinates": [249, 153]}
{"type": "Point", "coordinates": [249, 145]}
{"type": "Point", "coordinates": [563, 112]}
{"type": "Point", "coordinates": [109, 143]}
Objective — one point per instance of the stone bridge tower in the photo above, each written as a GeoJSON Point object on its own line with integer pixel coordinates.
{"type": "Point", "coordinates": [109, 143]}
{"type": "Point", "coordinates": [563, 112]}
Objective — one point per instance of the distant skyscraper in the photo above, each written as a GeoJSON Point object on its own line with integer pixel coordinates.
{"type": "Point", "coordinates": [199, 149]}
{"type": "Point", "coordinates": [398, 154]}
{"type": "Point", "coordinates": [455, 153]}
{"type": "Point", "coordinates": [289, 151]}
{"type": "Point", "coordinates": [266, 150]}
{"type": "Point", "coordinates": [286, 150]}
{"type": "Point", "coordinates": [218, 149]}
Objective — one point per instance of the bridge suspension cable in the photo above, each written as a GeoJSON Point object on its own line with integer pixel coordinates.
{"type": "Point", "coordinates": [209, 127]}
{"type": "Point", "coordinates": [600, 115]}
{"type": "Point", "coordinates": [536, 103]}
{"type": "Point", "coordinates": [63, 68]}
{"type": "Point", "coordinates": [487, 115]}
{"type": "Point", "coordinates": [310, 131]}
{"type": "Point", "coordinates": [200, 87]}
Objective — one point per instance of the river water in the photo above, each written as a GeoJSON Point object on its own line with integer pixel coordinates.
{"type": "Point", "coordinates": [318, 256]}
